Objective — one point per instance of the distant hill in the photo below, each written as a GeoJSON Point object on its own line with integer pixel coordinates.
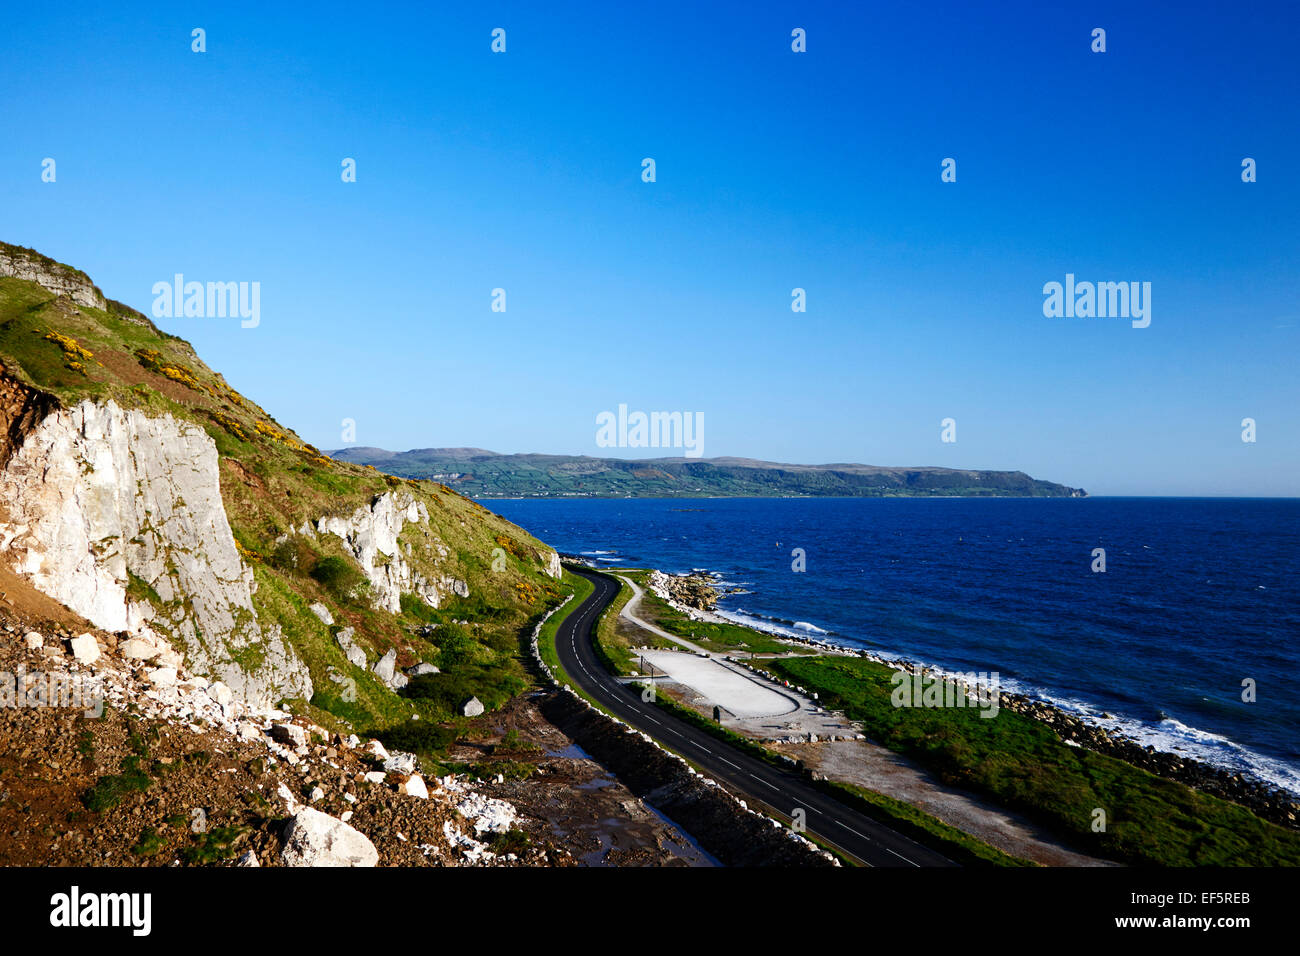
{"type": "Point", "coordinates": [479, 473]}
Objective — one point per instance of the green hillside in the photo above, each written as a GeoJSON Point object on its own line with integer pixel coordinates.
{"type": "Point", "coordinates": [271, 484]}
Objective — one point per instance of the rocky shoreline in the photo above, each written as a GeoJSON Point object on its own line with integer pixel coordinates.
{"type": "Point", "coordinates": [694, 595]}
{"type": "Point", "coordinates": [689, 590]}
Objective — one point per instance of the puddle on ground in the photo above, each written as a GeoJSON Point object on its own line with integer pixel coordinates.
{"type": "Point", "coordinates": [629, 832]}
{"type": "Point", "coordinates": [573, 752]}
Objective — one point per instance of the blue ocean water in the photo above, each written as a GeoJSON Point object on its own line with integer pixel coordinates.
{"type": "Point", "coordinates": [1197, 595]}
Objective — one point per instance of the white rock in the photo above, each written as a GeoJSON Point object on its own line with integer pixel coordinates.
{"type": "Point", "coordinates": [385, 667]}
{"type": "Point", "coordinates": [413, 786]}
{"type": "Point", "coordinates": [163, 677]}
{"type": "Point", "coordinates": [322, 612]}
{"type": "Point", "coordinates": [313, 838]}
{"type": "Point", "coordinates": [138, 649]}
{"type": "Point", "coordinates": [375, 776]}
{"type": "Point", "coordinates": [248, 859]}
{"type": "Point", "coordinates": [422, 668]}
{"type": "Point", "coordinates": [222, 694]}
{"type": "Point", "coordinates": [472, 707]}
{"type": "Point", "coordinates": [169, 657]}
{"type": "Point", "coordinates": [351, 650]}
{"type": "Point", "coordinates": [371, 535]}
{"type": "Point", "coordinates": [376, 749]}
{"type": "Point", "coordinates": [487, 813]}
{"type": "Point", "coordinates": [85, 648]}
{"type": "Point", "coordinates": [96, 493]}
{"type": "Point", "coordinates": [34, 640]}
{"type": "Point", "coordinates": [290, 801]}
{"type": "Point", "coordinates": [553, 567]}
{"type": "Point", "coordinates": [317, 794]}
{"type": "Point", "coordinates": [402, 763]}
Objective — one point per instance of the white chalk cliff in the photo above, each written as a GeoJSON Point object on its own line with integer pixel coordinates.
{"type": "Point", "coordinates": [372, 535]}
{"type": "Point", "coordinates": [96, 495]}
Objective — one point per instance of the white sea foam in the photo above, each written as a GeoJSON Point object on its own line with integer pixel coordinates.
{"type": "Point", "coordinates": [745, 619]}
{"type": "Point", "coordinates": [1172, 736]}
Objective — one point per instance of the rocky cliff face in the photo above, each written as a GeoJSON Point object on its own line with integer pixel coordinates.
{"type": "Point", "coordinates": [21, 410]}
{"type": "Point", "coordinates": [119, 516]}
{"type": "Point", "coordinates": [391, 539]}
{"type": "Point", "coordinates": [60, 279]}
{"type": "Point", "coordinates": [373, 536]}
{"type": "Point", "coordinates": [139, 489]}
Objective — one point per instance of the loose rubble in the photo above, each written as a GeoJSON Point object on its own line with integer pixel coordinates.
{"type": "Point", "coordinates": [338, 808]}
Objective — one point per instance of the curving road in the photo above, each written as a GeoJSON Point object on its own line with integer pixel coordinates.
{"type": "Point", "coordinates": [853, 833]}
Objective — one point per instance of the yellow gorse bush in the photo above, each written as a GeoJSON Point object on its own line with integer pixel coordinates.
{"type": "Point", "coordinates": [68, 345]}
{"type": "Point", "coordinates": [73, 352]}
{"type": "Point", "coordinates": [232, 425]}
{"type": "Point", "coordinates": [152, 360]}
{"type": "Point", "coordinates": [278, 436]}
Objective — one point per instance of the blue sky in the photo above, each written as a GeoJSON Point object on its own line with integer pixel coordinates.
{"type": "Point", "coordinates": [775, 170]}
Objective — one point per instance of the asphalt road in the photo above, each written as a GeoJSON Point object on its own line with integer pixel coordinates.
{"type": "Point", "coordinates": [782, 791]}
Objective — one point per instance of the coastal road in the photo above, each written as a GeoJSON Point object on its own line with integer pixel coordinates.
{"type": "Point", "coordinates": [851, 832]}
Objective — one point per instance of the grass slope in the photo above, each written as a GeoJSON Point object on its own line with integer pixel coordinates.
{"type": "Point", "coordinates": [1023, 765]}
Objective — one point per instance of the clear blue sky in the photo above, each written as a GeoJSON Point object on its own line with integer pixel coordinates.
{"type": "Point", "coordinates": [775, 170]}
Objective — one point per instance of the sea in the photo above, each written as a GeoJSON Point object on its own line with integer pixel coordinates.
{"type": "Point", "coordinates": [1197, 605]}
